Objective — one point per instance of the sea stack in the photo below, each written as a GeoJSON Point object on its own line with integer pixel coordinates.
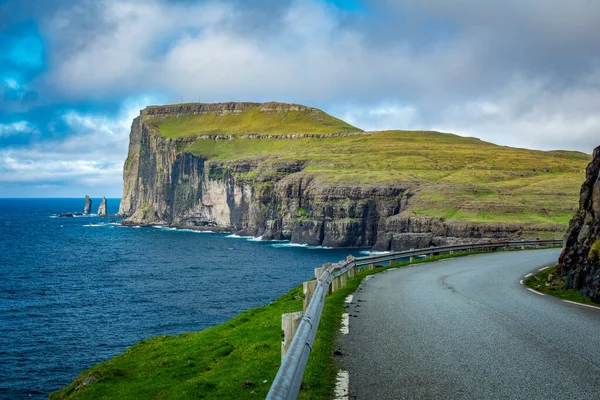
{"type": "Point", "coordinates": [102, 208]}
{"type": "Point", "coordinates": [88, 205]}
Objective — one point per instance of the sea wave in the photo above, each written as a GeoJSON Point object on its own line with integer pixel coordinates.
{"type": "Point", "coordinates": [192, 230]}
{"type": "Point", "coordinates": [257, 239]}
{"type": "Point", "coordinates": [170, 228]}
{"type": "Point", "coordinates": [111, 224]}
{"type": "Point", "coordinates": [289, 244]}
{"type": "Point", "coordinates": [74, 216]}
{"type": "Point", "coordinates": [374, 253]}
{"type": "Point", "coordinates": [235, 236]}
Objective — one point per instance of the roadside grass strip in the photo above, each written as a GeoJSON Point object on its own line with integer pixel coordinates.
{"type": "Point", "coordinates": [548, 281]}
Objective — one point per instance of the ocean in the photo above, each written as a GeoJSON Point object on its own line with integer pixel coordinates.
{"type": "Point", "coordinates": [76, 291]}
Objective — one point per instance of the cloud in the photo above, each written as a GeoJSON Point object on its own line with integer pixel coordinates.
{"type": "Point", "coordinates": [382, 117]}
{"type": "Point", "coordinates": [90, 157]}
{"type": "Point", "coordinates": [531, 113]}
{"type": "Point", "coordinates": [15, 128]}
{"type": "Point", "coordinates": [519, 73]}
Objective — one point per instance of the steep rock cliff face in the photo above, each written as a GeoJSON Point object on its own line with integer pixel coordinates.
{"type": "Point", "coordinates": [580, 260]}
{"type": "Point", "coordinates": [274, 198]}
{"type": "Point", "coordinates": [276, 201]}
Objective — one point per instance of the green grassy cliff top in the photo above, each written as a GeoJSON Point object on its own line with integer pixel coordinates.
{"type": "Point", "coordinates": [196, 119]}
{"type": "Point", "coordinates": [453, 177]}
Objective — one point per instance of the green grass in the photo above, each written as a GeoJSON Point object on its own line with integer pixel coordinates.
{"type": "Point", "coordinates": [452, 177]}
{"type": "Point", "coordinates": [215, 363]}
{"type": "Point", "coordinates": [554, 288]}
{"type": "Point", "coordinates": [252, 121]}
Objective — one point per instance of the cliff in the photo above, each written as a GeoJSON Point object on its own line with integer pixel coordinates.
{"type": "Point", "coordinates": [285, 171]}
{"type": "Point", "coordinates": [580, 259]}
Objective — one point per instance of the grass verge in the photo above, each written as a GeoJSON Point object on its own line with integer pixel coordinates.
{"type": "Point", "coordinates": [229, 361]}
{"type": "Point", "coordinates": [549, 281]}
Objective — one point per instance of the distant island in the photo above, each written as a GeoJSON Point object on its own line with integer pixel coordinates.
{"type": "Point", "coordinates": [288, 171]}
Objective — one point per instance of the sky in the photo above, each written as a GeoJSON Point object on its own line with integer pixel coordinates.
{"type": "Point", "coordinates": [74, 73]}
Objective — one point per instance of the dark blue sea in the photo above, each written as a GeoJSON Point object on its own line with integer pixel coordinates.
{"type": "Point", "coordinates": [76, 291]}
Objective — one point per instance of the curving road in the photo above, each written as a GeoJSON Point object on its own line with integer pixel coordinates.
{"type": "Point", "coordinates": [466, 329]}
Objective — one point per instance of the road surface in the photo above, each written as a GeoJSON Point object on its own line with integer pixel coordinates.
{"type": "Point", "coordinates": [465, 328]}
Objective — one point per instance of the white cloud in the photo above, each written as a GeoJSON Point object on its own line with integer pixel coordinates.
{"type": "Point", "coordinates": [521, 73]}
{"type": "Point", "coordinates": [383, 117]}
{"type": "Point", "coordinates": [16, 128]}
{"type": "Point", "coordinates": [530, 113]}
{"type": "Point", "coordinates": [92, 157]}
{"type": "Point", "coordinates": [11, 83]}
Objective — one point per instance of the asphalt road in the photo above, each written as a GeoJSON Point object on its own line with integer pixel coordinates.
{"type": "Point", "coordinates": [466, 329]}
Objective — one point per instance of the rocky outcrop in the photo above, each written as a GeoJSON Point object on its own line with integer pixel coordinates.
{"type": "Point", "coordinates": [221, 108]}
{"type": "Point", "coordinates": [88, 205]}
{"type": "Point", "coordinates": [274, 199]}
{"type": "Point", "coordinates": [580, 259]}
{"type": "Point", "coordinates": [102, 207]}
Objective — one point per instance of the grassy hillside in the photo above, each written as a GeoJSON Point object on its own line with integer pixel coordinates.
{"type": "Point", "coordinates": [252, 121]}
{"type": "Point", "coordinates": [235, 360]}
{"type": "Point", "coordinates": [455, 177]}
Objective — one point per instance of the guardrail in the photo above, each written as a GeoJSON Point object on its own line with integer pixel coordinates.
{"type": "Point", "coordinates": [286, 384]}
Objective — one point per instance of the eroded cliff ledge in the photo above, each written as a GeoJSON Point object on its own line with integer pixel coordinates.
{"type": "Point", "coordinates": [285, 171]}
{"type": "Point", "coordinates": [580, 260]}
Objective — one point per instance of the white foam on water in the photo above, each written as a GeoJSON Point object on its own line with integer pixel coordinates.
{"type": "Point", "coordinates": [289, 244]}
{"type": "Point", "coordinates": [167, 228]}
{"type": "Point", "coordinates": [170, 228]}
{"type": "Point", "coordinates": [74, 216]}
{"type": "Point", "coordinates": [192, 230]}
{"type": "Point", "coordinates": [234, 236]}
{"type": "Point", "coordinates": [374, 253]}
